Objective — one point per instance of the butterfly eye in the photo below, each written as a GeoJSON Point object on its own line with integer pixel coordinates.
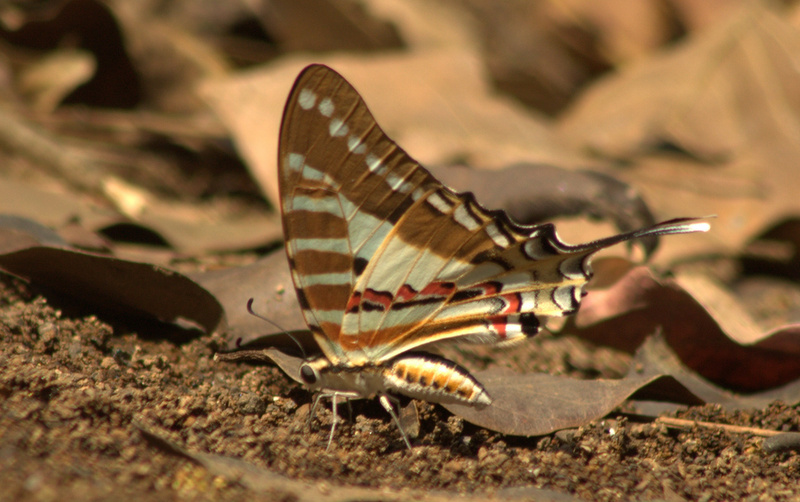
{"type": "Point", "coordinates": [308, 374]}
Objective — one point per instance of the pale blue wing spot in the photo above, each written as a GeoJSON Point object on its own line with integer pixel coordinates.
{"type": "Point", "coordinates": [563, 297]}
{"type": "Point", "coordinates": [326, 107]}
{"type": "Point", "coordinates": [355, 145]}
{"type": "Point", "coordinates": [313, 174]}
{"type": "Point", "coordinates": [338, 128]}
{"type": "Point", "coordinates": [316, 204]}
{"type": "Point", "coordinates": [295, 161]}
{"type": "Point", "coordinates": [333, 245]}
{"type": "Point", "coordinates": [374, 163]}
{"type": "Point", "coordinates": [465, 218]}
{"type": "Point", "coordinates": [496, 236]}
{"type": "Point", "coordinates": [306, 99]}
{"type": "Point", "coordinates": [331, 279]}
{"type": "Point", "coordinates": [439, 203]}
{"type": "Point", "coordinates": [398, 183]}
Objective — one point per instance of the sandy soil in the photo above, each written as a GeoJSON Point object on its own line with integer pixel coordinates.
{"type": "Point", "coordinates": [91, 410]}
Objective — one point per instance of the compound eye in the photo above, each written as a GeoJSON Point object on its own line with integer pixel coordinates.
{"type": "Point", "coordinates": [308, 374]}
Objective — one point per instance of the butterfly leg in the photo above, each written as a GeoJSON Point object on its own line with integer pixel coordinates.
{"type": "Point", "coordinates": [387, 401]}
{"type": "Point", "coordinates": [349, 408]}
{"type": "Point", "coordinates": [334, 418]}
{"type": "Point", "coordinates": [311, 413]}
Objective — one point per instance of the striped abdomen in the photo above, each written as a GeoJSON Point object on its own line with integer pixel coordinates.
{"type": "Point", "coordinates": [425, 376]}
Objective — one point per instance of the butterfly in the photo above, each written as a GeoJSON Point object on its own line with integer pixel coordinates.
{"type": "Point", "coordinates": [387, 261]}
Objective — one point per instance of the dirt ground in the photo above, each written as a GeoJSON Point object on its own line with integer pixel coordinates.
{"type": "Point", "coordinates": [91, 409]}
{"type": "Point", "coordinates": [156, 149]}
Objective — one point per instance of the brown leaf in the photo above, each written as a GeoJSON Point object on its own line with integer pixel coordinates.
{"type": "Point", "coordinates": [184, 227]}
{"type": "Point", "coordinates": [452, 116]}
{"type": "Point", "coordinates": [260, 480]}
{"type": "Point", "coordinates": [89, 25]}
{"type": "Point", "coordinates": [723, 98]}
{"type": "Point", "coordinates": [287, 363]}
{"type": "Point", "coordinates": [697, 96]}
{"type": "Point", "coordinates": [269, 283]}
{"type": "Point", "coordinates": [537, 404]}
{"type": "Point", "coordinates": [655, 356]}
{"type": "Point", "coordinates": [575, 42]}
{"type": "Point", "coordinates": [524, 404]}
{"type": "Point", "coordinates": [130, 288]}
{"type": "Point", "coordinates": [639, 304]}
{"type": "Point", "coordinates": [304, 25]}
{"type": "Point", "coordinates": [48, 81]}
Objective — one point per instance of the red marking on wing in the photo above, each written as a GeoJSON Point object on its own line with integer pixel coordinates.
{"type": "Point", "coordinates": [381, 298]}
{"type": "Point", "coordinates": [353, 303]}
{"type": "Point", "coordinates": [499, 323]}
{"type": "Point", "coordinates": [514, 303]}
{"type": "Point", "coordinates": [440, 289]}
{"type": "Point", "coordinates": [406, 293]}
{"type": "Point", "coordinates": [490, 288]}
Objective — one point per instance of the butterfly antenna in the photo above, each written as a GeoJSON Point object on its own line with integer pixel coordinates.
{"type": "Point", "coordinates": [276, 325]}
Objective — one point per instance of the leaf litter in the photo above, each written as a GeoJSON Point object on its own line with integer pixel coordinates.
{"type": "Point", "coordinates": [146, 409]}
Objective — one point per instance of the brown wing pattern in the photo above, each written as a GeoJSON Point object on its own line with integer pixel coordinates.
{"type": "Point", "coordinates": [385, 258]}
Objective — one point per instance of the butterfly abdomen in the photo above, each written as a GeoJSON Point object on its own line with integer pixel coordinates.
{"type": "Point", "coordinates": [425, 376]}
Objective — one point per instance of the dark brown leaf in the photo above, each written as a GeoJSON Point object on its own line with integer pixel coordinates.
{"type": "Point", "coordinates": [288, 363]}
{"type": "Point", "coordinates": [130, 288]}
{"type": "Point", "coordinates": [261, 480]}
{"type": "Point", "coordinates": [712, 346]}
{"type": "Point", "coordinates": [537, 404]}
{"type": "Point", "coordinates": [319, 25]}
{"type": "Point", "coordinates": [269, 283]}
{"type": "Point", "coordinates": [657, 357]}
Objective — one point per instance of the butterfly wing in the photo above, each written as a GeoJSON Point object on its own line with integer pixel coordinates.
{"type": "Point", "coordinates": [385, 258]}
{"type": "Point", "coordinates": [336, 209]}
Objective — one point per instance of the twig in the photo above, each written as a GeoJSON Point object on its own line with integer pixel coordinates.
{"type": "Point", "coordinates": [679, 423]}
{"type": "Point", "coordinates": [24, 139]}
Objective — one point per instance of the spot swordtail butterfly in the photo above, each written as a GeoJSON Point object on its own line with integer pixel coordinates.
{"type": "Point", "coordinates": [386, 260]}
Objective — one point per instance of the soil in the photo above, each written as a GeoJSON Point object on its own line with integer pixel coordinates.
{"type": "Point", "coordinates": [93, 409]}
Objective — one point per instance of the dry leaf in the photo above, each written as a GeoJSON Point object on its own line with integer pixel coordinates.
{"type": "Point", "coordinates": [723, 96]}
{"type": "Point", "coordinates": [640, 304]}
{"type": "Point", "coordinates": [436, 105]}
{"type": "Point", "coordinates": [48, 81]}
{"type": "Point", "coordinates": [269, 283]}
{"type": "Point", "coordinates": [535, 404]}
{"type": "Point", "coordinates": [655, 356]}
{"type": "Point", "coordinates": [111, 284]}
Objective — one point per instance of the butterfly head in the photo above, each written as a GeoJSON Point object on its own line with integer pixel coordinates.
{"type": "Point", "coordinates": [312, 372]}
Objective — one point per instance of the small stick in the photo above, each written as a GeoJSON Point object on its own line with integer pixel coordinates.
{"type": "Point", "coordinates": [46, 150]}
{"type": "Point", "coordinates": [680, 423]}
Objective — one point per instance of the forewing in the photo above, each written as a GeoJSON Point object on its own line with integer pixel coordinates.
{"type": "Point", "coordinates": [337, 205]}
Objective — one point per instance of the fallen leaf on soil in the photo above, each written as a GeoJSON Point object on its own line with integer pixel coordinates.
{"type": "Point", "coordinates": [269, 282]}
{"type": "Point", "coordinates": [523, 404]}
{"type": "Point", "coordinates": [639, 304]}
{"type": "Point", "coordinates": [535, 404]}
{"type": "Point", "coordinates": [724, 99]}
{"type": "Point", "coordinates": [657, 357]}
{"type": "Point", "coordinates": [114, 285]}
{"type": "Point", "coordinates": [184, 227]}
{"type": "Point", "coordinates": [328, 26]}
{"type": "Point", "coordinates": [91, 27]}
{"type": "Point", "coordinates": [287, 363]}
{"type": "Point", "coordinates": [261, 480]}
{"type": "Point", "coordinates": [703, 96]}
{"type": "Point", "coordinates": [48, 81]}
{"type": "Point", "coordinates": [427, 117]}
